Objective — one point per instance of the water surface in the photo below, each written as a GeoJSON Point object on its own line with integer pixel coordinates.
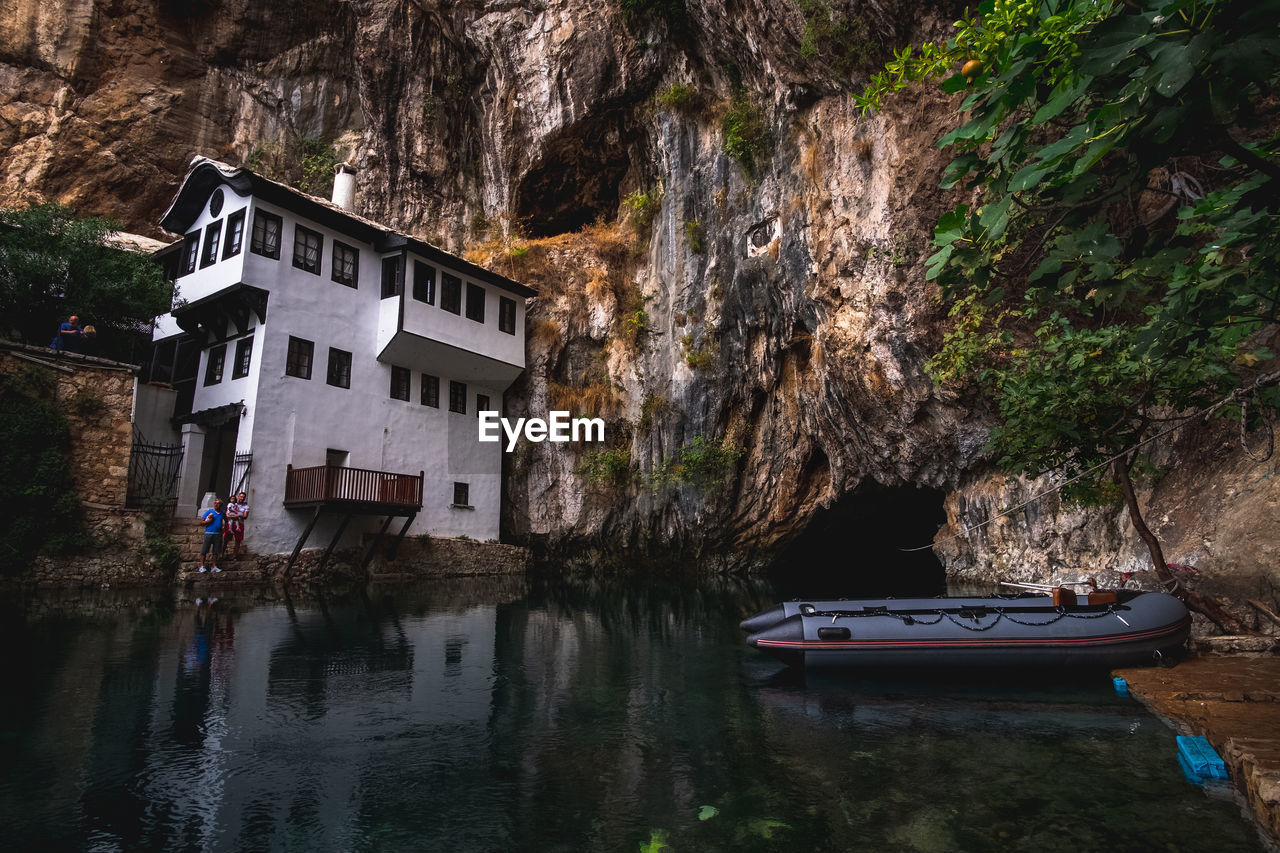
{"type": "Point", "coordinates": [487, 716]}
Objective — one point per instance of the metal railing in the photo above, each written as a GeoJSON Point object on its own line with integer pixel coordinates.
{"type": "Point", "coordinates": [331, 483]}
{"type": "Point", "coordinates": [240, 473]}
{"type": "Point", "coordinates": [153, 471]}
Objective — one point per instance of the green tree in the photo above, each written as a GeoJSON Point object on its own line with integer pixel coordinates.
{"type": "Point", "coordinates": [54, 263]}
{"type": "Point", "coordinates": [39, 509]}
{"type": "Point", "coordinates": [1119, 261]}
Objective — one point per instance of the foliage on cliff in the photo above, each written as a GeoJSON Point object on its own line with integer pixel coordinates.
{"type": "Point", "coordinates": [54, 263]}
{"type": "Point", "coordinates": [1121, 253]}
{"type": "Point", "coordinates": [39, 510]}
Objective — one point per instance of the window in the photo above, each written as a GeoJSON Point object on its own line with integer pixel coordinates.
{"type": "Point", "coordinates": [308, 246]}
{"type": "Point", "coordinates": [335, 458]}
{"type": "Point", "coordinates": [424, 282]}
{"type": "Point", "coordinates": [451, 293]}
{"type": "Point", "coordinates": [265, 240]}
{"type": "Point", "coordinates": [212, 234]}
{"type": "Point", "coordinates": [244, 353]}
{"type": "Point", "coordinates": [298, 362]}
{"type": "Point", "coordinates": [392, 276]}
{"type": "Point", "coordinates": [235, 235]}
{"type": "Point", "coordinates": [190, 251]}
{"type": "Point", "coordinates": [215, 202]}
{"type": "Point", "coordinates": [507, 315]}
{"type": "Point", "coordinates": [482, 403]}
{"type": "Point", "coordinates": [461, 494]}
{"type": "Point", "coordinates": [475, 302]}
{"type": "Point", "coordinates": [339, 374]}
{"type": "Point", "coordinates": [400, 383]}
{"type": "Point", "coordinates": [346, 263]}
{"type": "Point", "coordinates": [430, 390]}
{"type": "Point", "coordinates": [213, 367]}
{"type": "Point", "coordinates": [458, 397]}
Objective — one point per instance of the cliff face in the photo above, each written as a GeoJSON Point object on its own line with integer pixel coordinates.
{"type": "Point", "coordinates": [777, 304]}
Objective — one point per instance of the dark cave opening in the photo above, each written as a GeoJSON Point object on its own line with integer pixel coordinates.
{"type": "Point", "coordinates": [576, 179]}
{"type": "Point", "coordinates": [855, 547]}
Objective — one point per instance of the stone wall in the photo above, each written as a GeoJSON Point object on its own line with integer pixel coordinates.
{"type": "Point", "coordinates": [96, 396]}
{"type": "Point", "coordinates": [116, 555]}
{"type": "Point", "coordinates": [425, 556]}
{"type": "Point", "coordinates": [417, 557]}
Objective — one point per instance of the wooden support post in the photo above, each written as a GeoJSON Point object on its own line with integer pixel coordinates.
{"type": "Point", "coordinates": [324, 561]}
{"type": "Point", "coordinates": [373, 549]}
{"type": "Point", "coordinates": [395, 546]}
{"type": "Point", "coordinates": [297, 549]}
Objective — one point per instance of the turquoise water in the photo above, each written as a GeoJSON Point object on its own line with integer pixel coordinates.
{"type": "Point", "coordinates": [489, 716]}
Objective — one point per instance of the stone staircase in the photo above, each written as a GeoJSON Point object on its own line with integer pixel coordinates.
{"type": "Point", "coordinates": [189, 536]}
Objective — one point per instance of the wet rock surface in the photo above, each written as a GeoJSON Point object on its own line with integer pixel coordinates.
{"type": "Point", "coordinates": [1233, 702]}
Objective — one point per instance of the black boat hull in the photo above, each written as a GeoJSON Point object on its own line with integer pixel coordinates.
{"type": "Point", "coordinates": [976, 632]}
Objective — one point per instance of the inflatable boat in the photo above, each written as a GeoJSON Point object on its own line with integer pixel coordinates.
{"type": "Point", "coordinates": [1053, 628]}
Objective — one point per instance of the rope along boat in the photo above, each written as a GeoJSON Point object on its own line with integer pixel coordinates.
{"type": "Point", "coordinates": [1054, 628]}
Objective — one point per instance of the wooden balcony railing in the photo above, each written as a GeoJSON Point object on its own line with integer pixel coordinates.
{"type": "Point", "coordinates": [329, 484]}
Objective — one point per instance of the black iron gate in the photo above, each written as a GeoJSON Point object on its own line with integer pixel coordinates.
{"type": "Point", "coordinates": [153, 471]}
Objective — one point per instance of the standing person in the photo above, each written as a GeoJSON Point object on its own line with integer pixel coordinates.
{"type": "Point", "coordinates": [69, 336]}
{"type": "Point", "coordinates": [237, 512]}
{"type": "Point", "coordinates": [212, 519]}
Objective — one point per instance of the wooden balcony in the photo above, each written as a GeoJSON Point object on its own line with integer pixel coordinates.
{"type": "Point", "coordinates": [357, 490]}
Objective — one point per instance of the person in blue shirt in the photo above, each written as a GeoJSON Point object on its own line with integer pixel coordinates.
{"type": "Point", "coordinates": [70, 336]}
{"type": "Point", "coordinates": [212, 519]}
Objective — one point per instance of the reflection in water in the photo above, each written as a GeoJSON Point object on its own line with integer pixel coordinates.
{"type": "Point", "coordinates": [482, 717]}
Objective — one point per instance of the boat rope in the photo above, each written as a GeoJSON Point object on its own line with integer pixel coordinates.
{"type": "Point", "coordinates": [975, 615]}
{"type": "Point", "coordinates": [1239, 395]}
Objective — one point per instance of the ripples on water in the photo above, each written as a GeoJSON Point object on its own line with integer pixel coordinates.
{"type": "Point", "coordinates": [486, 716]}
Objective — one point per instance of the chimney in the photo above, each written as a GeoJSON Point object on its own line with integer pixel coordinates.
{"type": "Point", "coordinates": [344, 186]}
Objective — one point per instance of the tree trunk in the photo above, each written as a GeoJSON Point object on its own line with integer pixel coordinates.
{"type": "Point", "coordinates": [1209, 606]}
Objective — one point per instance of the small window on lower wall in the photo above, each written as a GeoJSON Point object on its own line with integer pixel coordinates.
{"type": "Point", "coordinates": [430, 390]}
{"type": "Point", "coordinates": [400, 383]}
{"type": "Point", "coordinates": [244, 354]}
{"type": "Point", "coordinates": [458, 397]}
{"type": "Point", "coordinates": [213, 368]}
{"type": "Point", "coordinates": [462, 495]}
{"type": "Point", "coordinates": [482, 403]}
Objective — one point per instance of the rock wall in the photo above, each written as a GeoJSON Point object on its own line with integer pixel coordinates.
{"type": "Point", "coordinates": [115, 557]}
{"type": "Point", "coordinates": [777, 305]}
{"type": "Point", "coordinates": [96, 395]}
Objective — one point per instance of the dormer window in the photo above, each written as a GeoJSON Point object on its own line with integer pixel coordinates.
{"type": "Point", "coordinates": [266, 235]}
{"type": "Point", "coordinates": [308, 246]}
{"type": "Point", "coordinates": [235, 235]}
{"type": "Point", "coordinates": [212, 234]}
{"type": "Point", "coordinates": [190, 252]}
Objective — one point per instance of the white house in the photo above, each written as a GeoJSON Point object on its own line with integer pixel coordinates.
{"type": "Point", "coordinates": [341, 365]}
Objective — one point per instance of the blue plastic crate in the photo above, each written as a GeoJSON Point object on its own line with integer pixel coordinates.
{"type": "Point", "coordinates": [1197, 758]}
{"type": "Point", "coordinates": [1122, 686]}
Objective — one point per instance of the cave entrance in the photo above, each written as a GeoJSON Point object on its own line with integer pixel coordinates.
{"type": "Point", "coordinates": [576, 180]}
{"type": "Point", "coordinates": [854, 548]}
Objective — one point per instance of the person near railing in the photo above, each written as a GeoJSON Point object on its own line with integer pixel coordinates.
{"type": "Point", "coordinates": [237, 512]}
{"type": "Point", "coordinates": [212, 519]}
